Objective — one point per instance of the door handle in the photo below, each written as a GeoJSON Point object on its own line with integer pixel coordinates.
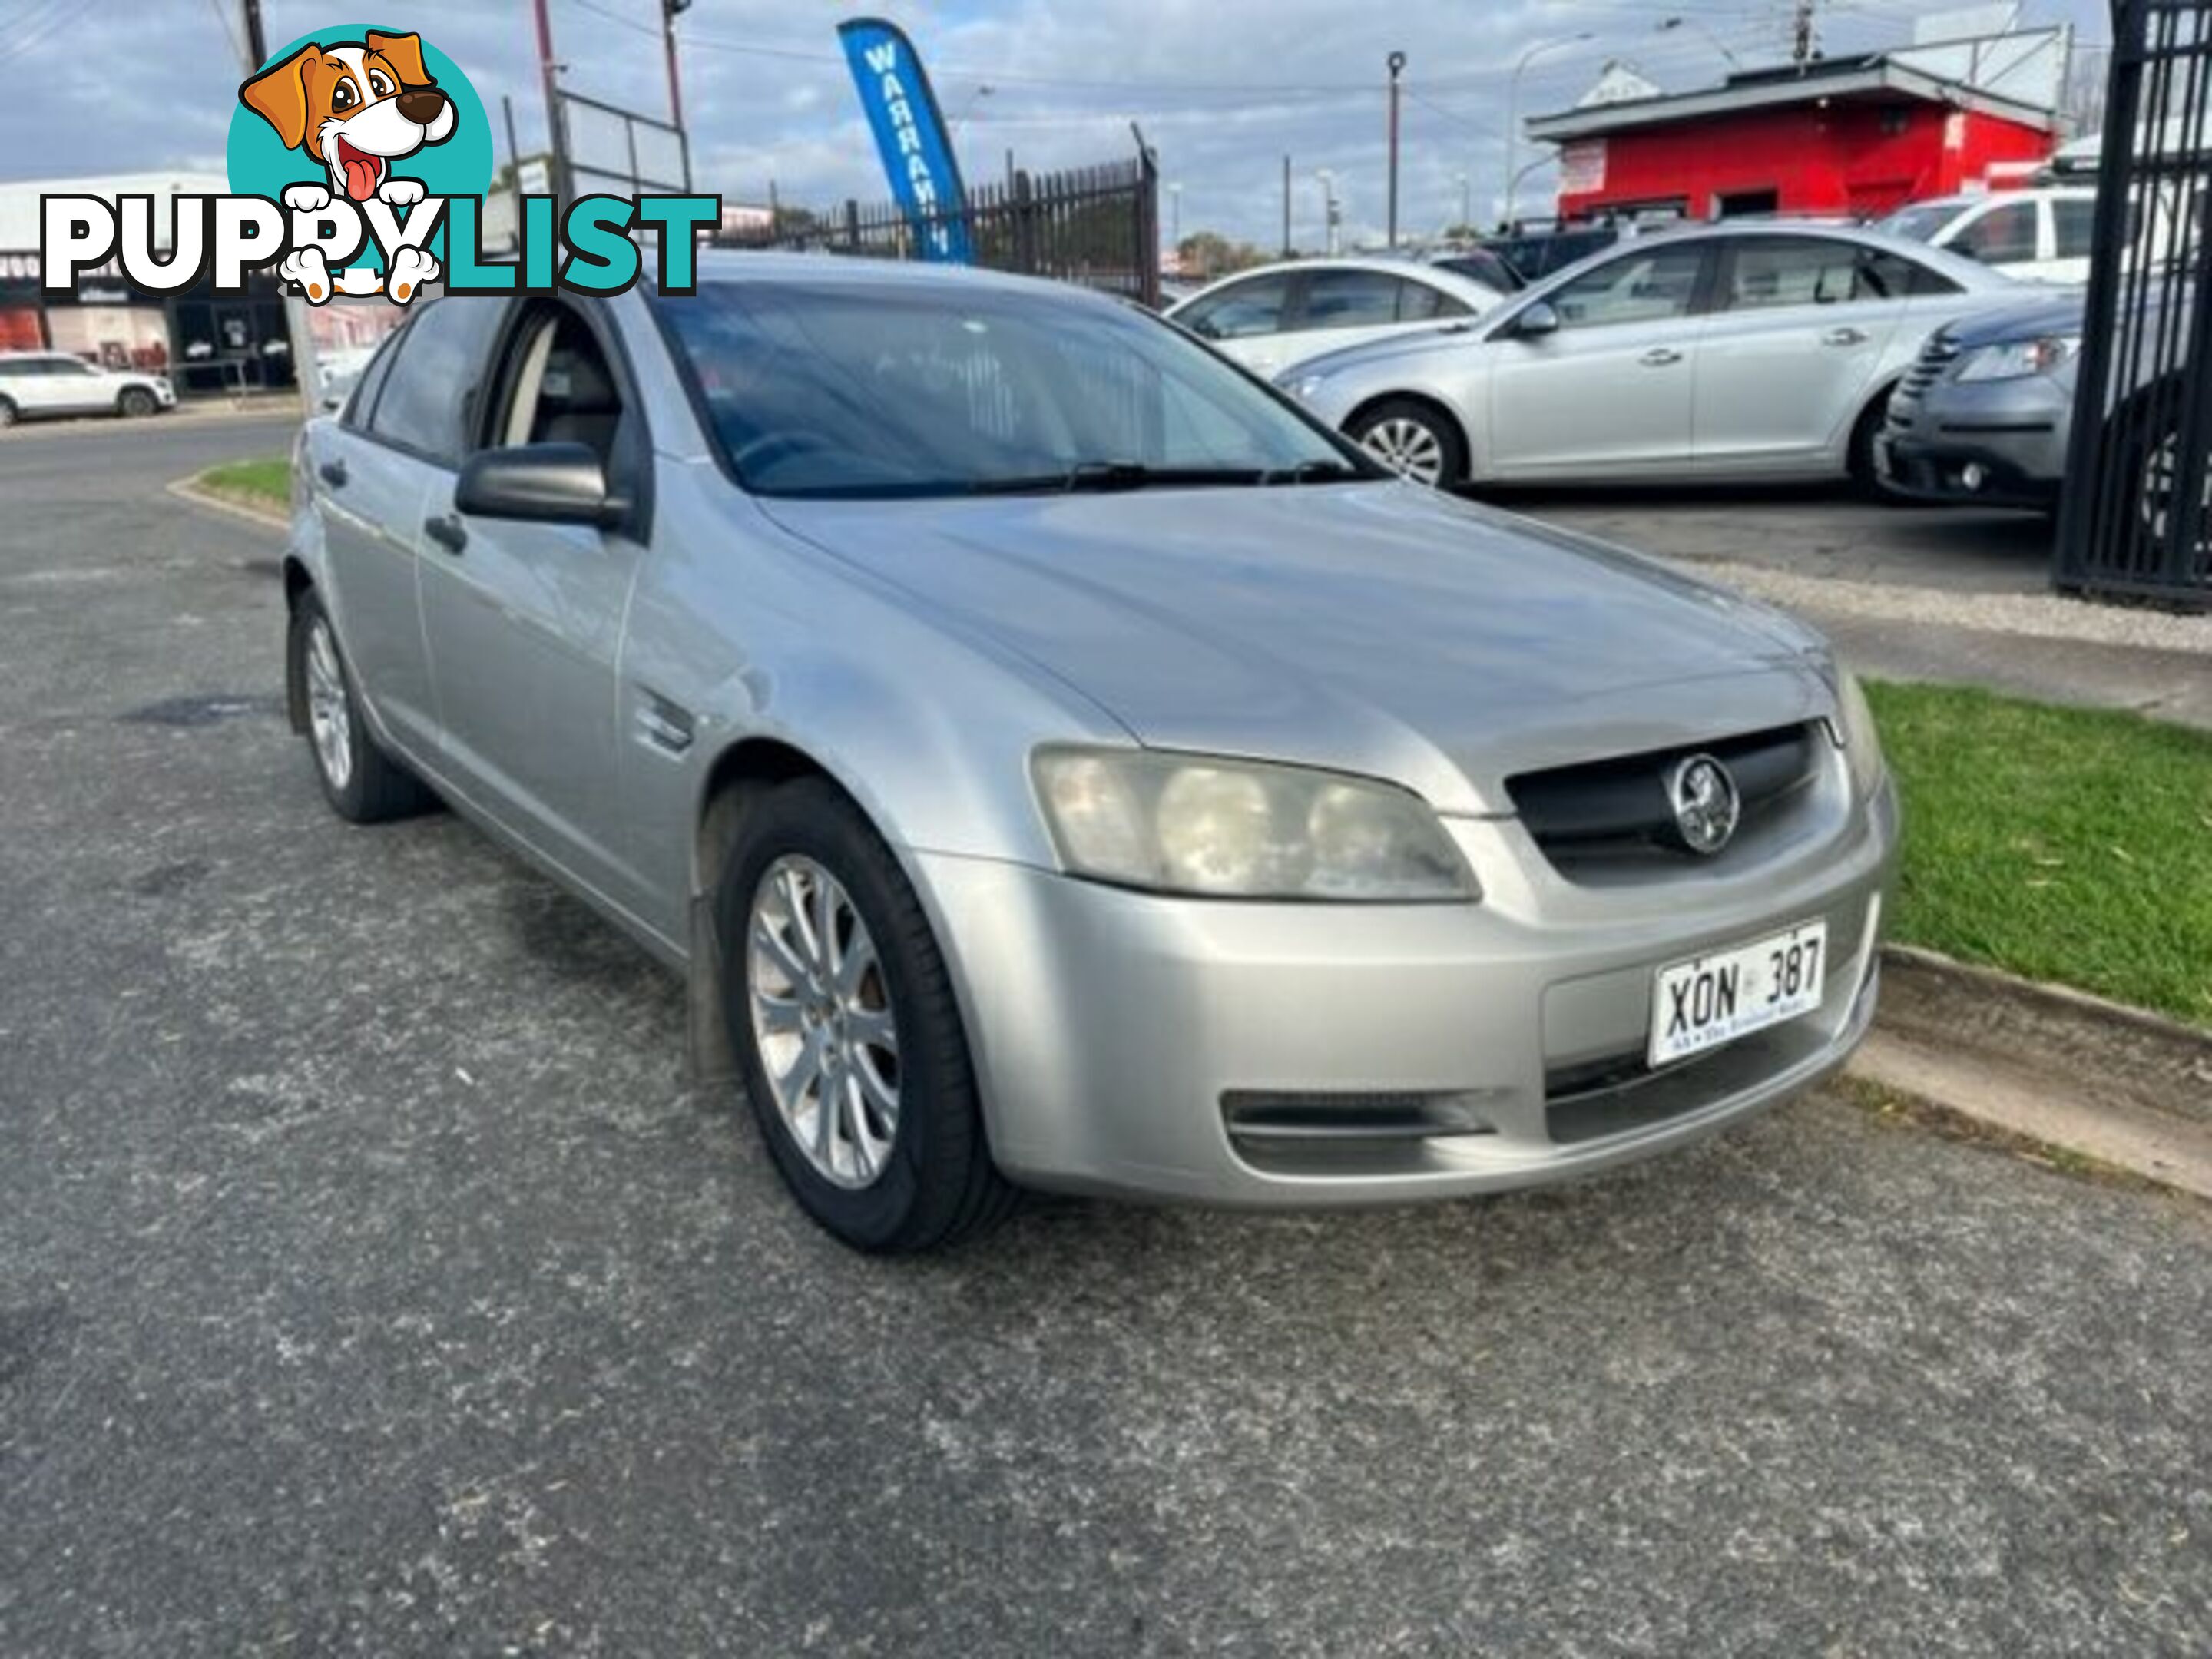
{"type": "Point", "coordinates": [446, 531]}
{"type": "Point", "coordinates": [1844, 337]}
{"type": "Point", "coordinates": [334, 474]}
{"type": "Point", "coordinates": [1660, 356]}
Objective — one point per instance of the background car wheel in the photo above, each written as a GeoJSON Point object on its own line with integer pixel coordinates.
{"type": "Point", "coordinates": [137, 402]}
{"type": "Point", "coordinates": [1413, 439]}
{"type": "Point", "coordinates": [7, 413]}
{"type": "Point", "coordinates": [359, 781]}
{"type": "Point", "coordinates": [1865, 471]}
{"type": "Point", "coordinates": [846, 1032]}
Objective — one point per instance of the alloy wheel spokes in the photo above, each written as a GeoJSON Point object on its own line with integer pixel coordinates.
{"type": "Point", "coordinates": [330, 714]}
{"type": "Point", "coordinates": [822, 1017]}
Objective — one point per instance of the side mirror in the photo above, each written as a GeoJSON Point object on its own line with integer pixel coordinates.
{"type": "Point", "coordinates": [1538, 320]}
{"type": "Point", "coordinates": [548, 483]}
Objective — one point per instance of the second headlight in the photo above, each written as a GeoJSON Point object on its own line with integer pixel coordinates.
{"type": "Point", "coordinates": [1188, 823]}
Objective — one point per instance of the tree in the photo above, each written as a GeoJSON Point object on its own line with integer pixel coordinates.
{"type": "Point", "coordinates": [1207, 254]}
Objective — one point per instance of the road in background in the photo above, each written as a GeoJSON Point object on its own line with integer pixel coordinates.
{"type": "Point", "coordinates": [370, 1283]}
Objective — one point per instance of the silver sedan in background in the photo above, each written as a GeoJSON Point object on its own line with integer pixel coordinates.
{"type": "Point", "coordinates": [1736, 352]}
{"type": "Point", "coordinates": [1056, 761]}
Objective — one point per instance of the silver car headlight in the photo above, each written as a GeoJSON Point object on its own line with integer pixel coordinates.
{"type": "Point", "coordinates": [1304, 387]}
{"type": "Point", "coordinates": [2019, 360]}
{"type": "Point", "coordinates": [1855, 730]}
{"type": "Point", "coordinates": [1228, 829]}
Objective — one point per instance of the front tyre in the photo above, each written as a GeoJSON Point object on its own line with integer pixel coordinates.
{"type": "Point", "coordinates": [842, 1016]}
{"type": "Point", "coordinates": [1414, 440]}
{"type": "Point", "coordinates": [362, 784]}
{"type": "Point", "coordinates": [137, 403]}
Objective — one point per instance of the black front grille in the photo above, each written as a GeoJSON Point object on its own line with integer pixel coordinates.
{"type": "Point", "coordinates": [1935, 357]}
{"type": "Point", "coordinates": [1621, 804]}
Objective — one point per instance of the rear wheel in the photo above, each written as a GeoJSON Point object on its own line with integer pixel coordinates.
{"type": "Point", "coordinates": [1413, 439]}
{"type": "Point", "coordinates": [362, 784]}
{"type": "Point", "coordinates": [846, 1032]}
{"type": "Point", "coordinates": [1865, 468]}
{"type": "Point", "coordinates": [137, 402]}
{"type": "Point", "coordinates": [7, 412]}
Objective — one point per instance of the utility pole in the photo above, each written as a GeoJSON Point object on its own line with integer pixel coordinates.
{"type": "Point", "coordinates": [1397, 62]}
{"type": "Point", "coordinates": [299, 330]}
{"type": "Point", "coordinates": [556, 139]}
{"type": "Point", "coordinates": [669, 9]}
{"type": "Point", "coordinates": [1286, 207]}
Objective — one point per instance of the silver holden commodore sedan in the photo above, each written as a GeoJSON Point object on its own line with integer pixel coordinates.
{"type": "Point", "coordinates": [1745, 351]}
{"type": "Point", "coordinates": [1056, 761]}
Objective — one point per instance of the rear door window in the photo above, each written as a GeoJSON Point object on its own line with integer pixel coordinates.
{"type": "Point", "coordinates": [1768, 271]}
{"type": "Point", "coordinates": [1350, 299]}
{"type": "Point", "coordinates": [2076, 220]}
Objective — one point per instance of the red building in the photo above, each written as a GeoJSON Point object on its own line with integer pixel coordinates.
{"type": "Point", "coordinates": [1852, 136]}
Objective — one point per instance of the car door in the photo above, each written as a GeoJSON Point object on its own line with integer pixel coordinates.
{"type": "Point", "coordinates": [1799, 329]}
{"type": "Point", "coordinates": [24, 382]}
{"type": "Point", "coordinates": [1243, 319]}
{"type": "Point", "coordinates": [525, 619]}
{"type": "Point", "coordinates": [371, 472]}
{"type": "Point", "coordinates": [1608, 391]}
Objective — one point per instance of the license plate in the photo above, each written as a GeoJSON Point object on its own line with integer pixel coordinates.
{"type": "Point", "coordinates": [1712, 999]}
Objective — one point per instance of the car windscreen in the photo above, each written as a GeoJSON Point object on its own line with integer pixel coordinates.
{"type": "Point", "coordinates": [1920, 224]}
{"type": "Point", "coordinates": [851, 389]}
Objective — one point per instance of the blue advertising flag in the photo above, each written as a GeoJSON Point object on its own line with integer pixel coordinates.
{"type": "Point", "coordinates": [910, 135]}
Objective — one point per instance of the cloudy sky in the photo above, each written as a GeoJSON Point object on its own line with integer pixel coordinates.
{"type": "Point", "coordinates": [1222, 89]}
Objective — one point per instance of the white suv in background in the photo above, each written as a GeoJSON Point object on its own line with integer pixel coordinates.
{"type": "Point", "coordinates": [35, 382]}
{"type": "Point", "coordinates": [2041, 235]}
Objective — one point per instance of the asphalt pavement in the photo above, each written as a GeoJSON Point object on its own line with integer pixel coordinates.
{"type": "Point", "coordinates": [370, 1283]}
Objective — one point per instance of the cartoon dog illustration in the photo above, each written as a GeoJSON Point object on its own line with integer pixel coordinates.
{"type": "Point", "coordinates": [356, 106]}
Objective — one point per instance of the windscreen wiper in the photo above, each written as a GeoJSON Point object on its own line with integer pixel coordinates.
{"type": "Point", "coordinates": [1099, 476]}
{"type": "Point", "coordinates": [1317, 470]}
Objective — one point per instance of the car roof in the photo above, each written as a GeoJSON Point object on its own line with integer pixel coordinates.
{"type": "Point", "coordinates": [1968, 273]}
{"type": "Point", "coordinates": [829, 271]}
{"type": "Point", "coordinates": [1390, 265]}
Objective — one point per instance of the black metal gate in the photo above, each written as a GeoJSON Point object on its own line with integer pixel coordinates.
{"type": "Point", "coordinates": [1097, 226]}
{"type": "Point", "coordinates": [2136, 520]}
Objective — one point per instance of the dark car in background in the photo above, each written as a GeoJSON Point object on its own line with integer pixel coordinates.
{"type": "Point", "coordinates": [1984, 414]}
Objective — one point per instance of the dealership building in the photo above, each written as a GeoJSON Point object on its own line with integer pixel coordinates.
{"type": "Point", "coordinates": [207, 344]}
{"type": "Point", "coordinates": [1853, 135]}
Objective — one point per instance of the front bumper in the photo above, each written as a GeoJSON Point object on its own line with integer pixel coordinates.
{"type": "Point", "coordinates": [1998, 444]}
{"type": "Point", "coordinates": [1275, 1055]}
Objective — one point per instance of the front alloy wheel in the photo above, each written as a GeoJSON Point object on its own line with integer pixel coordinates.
{"type": "Point", "coordinates": [2162, 497]}
{"type": "Point", "coordinates": [329, 710]}
{"type": "Point", "coordinates": [849, 1037]}
{"type": "Point", "coordinates": [1414, 441]}
{"type": "Point", "coordinates": [822, 1018]}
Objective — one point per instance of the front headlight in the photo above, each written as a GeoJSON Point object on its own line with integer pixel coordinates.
{"type": "Point", "coordinates": [2017, 360]}
{"type": "Point", "coordinates": [1304, 387]}
{"type": "Point", "coordinates": [1226, 828]}
{"type": "Point", "coordinates": [1854, 730]}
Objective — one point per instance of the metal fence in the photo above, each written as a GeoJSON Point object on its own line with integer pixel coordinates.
{"type": "Point", "coordinates": [2136, 518]}
{"type": "Point", "coordinates": [1097, 226]}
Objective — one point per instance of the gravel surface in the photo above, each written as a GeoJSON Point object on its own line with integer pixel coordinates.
{"type": "Point", "coordinates": [371, 1283]}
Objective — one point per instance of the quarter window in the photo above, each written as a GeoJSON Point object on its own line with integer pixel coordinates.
{"type": "Point", "coordinates": [1637, 287]}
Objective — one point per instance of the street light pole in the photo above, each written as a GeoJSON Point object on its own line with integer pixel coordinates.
{"type": "Point", "coordinates": [1513, 103]}
{"type": "Point", "coordinates": [1397, 62]}
{"type": "Point", "coordinates": [1175, 216]}
{"type": "Point", "coordinates": [1328, 208]}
